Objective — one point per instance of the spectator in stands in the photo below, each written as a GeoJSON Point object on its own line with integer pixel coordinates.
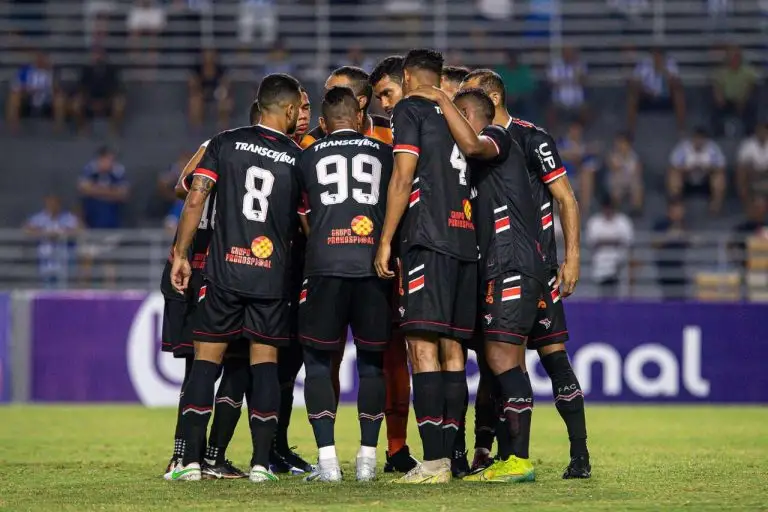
{"type": "Point", "coordinates": [356, 57]}
{"type": "Point", "coordinates": [567, 77]}
{"type": "Point", "coordinates": [146, 20]}
{"type": "Point", "coordinates": [261, 15]}
{"type": "Point", "coordinates": [495, 10]}
{"type": "Point", "coordinates": [656, 86]}
{"type": "Point", "coordinates": [752, 168]}
{"type": "Point", "coordinates": [757, 218]}
{"type": "Point", "coordinates": [278, 60]}
{"type": "Point", "coordinates": [520, 83]}
{"type": "Point", "coordinates": [99, 92]}
{"type": "Point", "coordinates": [166, 181]}
{"type": "Point", "coordinates": [734, 88]}
{"type": "Point", "coordinates": [580, 159]}
{"type": "Point", "coordinates": [697, 167]}
{"type": "Point", "coordinates": [624, 180]}
{"type": "Point", "coordinates": [172, 218]}
{"type": "Point", "coordinates": [103, 189]}
{"type": "Point", "coordinates": [610, 235]}
{"type": "Point", "coordinates": [55, 228]}
{"type": "Point", "coordinates": [671, 241]}
{"type": "Point", "coordinates": [35, 92]}
{"type": "Point", "coordinates": [208, 83]}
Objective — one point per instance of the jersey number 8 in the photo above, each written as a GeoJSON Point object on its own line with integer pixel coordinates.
{"type": "Point", "coordinates": [257, 194]}
{"type": "Point", "coordinates": [340, 178]}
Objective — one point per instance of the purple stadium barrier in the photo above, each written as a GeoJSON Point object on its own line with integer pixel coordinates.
{"type": "Point", "coordinates": [97, 347]}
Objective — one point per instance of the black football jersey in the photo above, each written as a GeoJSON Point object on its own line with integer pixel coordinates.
{"type": "Point", "coordinates": [544, 167]}
{"type": "Point", "coordinates": [506, 215]}
{"type": "Point", "coordinates": [255, 219]}
{"type": "Point", "coordinates": [200, 242]}
{"type": "Point", "coordinates": [345, 177]}
{"type": "Point", "coordinates": [439, 216]}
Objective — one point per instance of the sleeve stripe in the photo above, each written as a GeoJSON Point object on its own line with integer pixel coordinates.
{"type": "Point", "coordinates": [552, 176]}
{"type": "Point", "coordinates": [498, 151]}
{"type": "Point", "coordinates": [407, 148]}
{"type": "Point", "coordinates": [207, 173]}
{"type": "Point", "coordinates": [184, 184]}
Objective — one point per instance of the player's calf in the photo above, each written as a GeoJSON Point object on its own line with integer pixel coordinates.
{"type": "Point", "coordinates": [370, 406]}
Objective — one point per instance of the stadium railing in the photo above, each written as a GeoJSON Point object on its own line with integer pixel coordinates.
{"type": "Point", "coordinates": [318, 34]}
{"type": "Point", "coordinates": [713, 266]}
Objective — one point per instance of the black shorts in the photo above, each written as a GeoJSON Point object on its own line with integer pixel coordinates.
{"type": "Point", "coordinates": [510, 307]}
{"type": "Point", "coordinates": [327, 305]}
{"type": "Point", "coordinates": [550, 327]}
{"type": "Point", "coordinates": [437, 294]}
{"type": "Point", "coordinates": [177, 327]}
{"type": "Point", "coordinates": [223, 317]}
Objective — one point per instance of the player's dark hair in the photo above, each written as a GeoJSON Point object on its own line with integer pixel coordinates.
{"type": "Point", "coordinates": [359, 79]}
{"type": "Point", "coordinates": [104, 151]}
{"type": "Point", "coordinates": [277, 89]}
{"type": "Point", "coordinates": [455, 73]}
{"type": "Point", "coordinates": [340, 104]}
{"type": "Point", "coordinates": [481, 100]}
{"type": "Point", "coordinates": [701, 131]}
{"type": "Point", "coordinates": [392, 67]}
{"type": "Point", "coordinates": [254, 113]}
{"type": "Point", "coordinates": [490, 81]}
{"type": "Point", "coordinates": [424, 58]}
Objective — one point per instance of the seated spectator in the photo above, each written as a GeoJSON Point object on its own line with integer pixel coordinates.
{"type": "Point", "coordinates": [103, 189]}
{"type": "Point", "coordinates": [625, 173]}
{"type": "Point", "coordinates": [55, 229]}
{"type": "Point", "coordinates": [567, 76]}
{"type": "Point", "coordinates": [610, 234]}
{"type": "Point", "coordinates": [752, 168]}
{"type": "Point", "coordinates": [208, 83]}
{"type": "Point", "coordinates": [757, 218]}
{"type": "Point", "coordinates": [99, 92]}
{"type": "Point", "coordinates": [521, 85]}
{"type": "Point", "coordinates": [278, 61]}
{"type": "Point", "coordinates": [35, 92]}
{"type": "Point", "coordinates": [580, 160]}
{"type": "Point", "coordinates": [656, 86]}
{"type": "Point", "coordinates": [145, 22]}
{"type": "Point", "coordinates": [671, 242]}
{"type": "Point", "coordinates": [697, 167]}
{"type": "Point", "coordinates": [733, 88]}
{"type": "Point", "coordinates": [166, 181]}
{"type": "Point", "coordinates": [261, 15]}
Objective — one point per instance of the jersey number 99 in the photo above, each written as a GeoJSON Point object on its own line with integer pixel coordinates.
{"type": "Point", "coordinates": [339, 176]}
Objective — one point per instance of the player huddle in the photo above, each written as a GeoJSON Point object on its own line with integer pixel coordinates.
{"type": "Point", "coordinates": [438, 243]}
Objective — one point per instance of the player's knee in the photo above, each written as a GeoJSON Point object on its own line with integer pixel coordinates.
{"type": "Point", "coordinates": [550, 349]}
{"type": "Point", "coordinates": [370, 364]}
{"type": "Point", "coordinates": [502, 357]}
{"type": "Point", "coordinates": [452, 356]}
{"type": "Point", "coordinates": [317, 363]}
{"type": "Point", "coordinates": [211, 352]}
{"type": "Point", "coordinates": [423, 355]}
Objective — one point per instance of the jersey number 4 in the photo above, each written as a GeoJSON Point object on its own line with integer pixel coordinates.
{"type": "Point", "coordinates": [256, 199]}
{"type": "Point", "coordinates": [334, 170]}
{"type": "Point", "coordinates": [459, 163]}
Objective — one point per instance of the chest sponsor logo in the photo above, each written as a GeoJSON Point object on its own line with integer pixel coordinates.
{"type": "Point", "coordinates": [359, 232]}
{"type": "Point", "coordinates": [276, 156]}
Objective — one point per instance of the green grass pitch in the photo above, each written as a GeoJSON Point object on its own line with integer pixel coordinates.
{"type": "Point", "coordinates": [643, 458]}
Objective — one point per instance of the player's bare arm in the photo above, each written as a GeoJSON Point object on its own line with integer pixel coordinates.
{"type": "Point", "coordinates": [180, 189]}
{"type": "Point", "coordinates": [466, 137]}
{"type": "Point", "coordinates": [188, 223]}
{"type": "Point", "coordinates": [397, 201]}
{"type": "Point", "coordinates": [304, 223]}
{"type": "Point", "coordinates": [568, 275]}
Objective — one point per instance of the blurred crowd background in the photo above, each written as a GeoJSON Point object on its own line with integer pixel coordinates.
{"type": "Point", "coordinates": [660, 109]}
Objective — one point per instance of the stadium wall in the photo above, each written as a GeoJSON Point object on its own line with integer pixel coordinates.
{"type": "Point", "coordinates": [105, 347]}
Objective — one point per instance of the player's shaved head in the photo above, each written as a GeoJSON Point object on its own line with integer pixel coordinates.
{"type": "Point", "coordinates": [391, 67]}
{"type": "Point", "coordinates": [478, 100]}
{"type": "Point", "coordinates": [356, 79]}
{"type": "Point", "coordinates": [340, 109]}
{"type": "Point", "coordinates": [487, 80]}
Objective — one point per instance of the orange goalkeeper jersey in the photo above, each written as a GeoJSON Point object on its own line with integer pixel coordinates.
{"type": "Point", "coordinates": [378, 128]}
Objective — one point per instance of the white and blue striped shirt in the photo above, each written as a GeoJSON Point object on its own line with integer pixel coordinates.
{"type": "Point", "coordinates": [653, 81]}
{"type": "Point", "coordinates": [697, 163]}
{"type": "Point", "coordinates": [566, 88]}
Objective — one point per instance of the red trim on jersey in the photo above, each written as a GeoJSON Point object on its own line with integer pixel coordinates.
{"type": "Point", "coordinates": [406, 147]}
{"type": "Point", "coordinates": [555, 294]}
{"type": "Point", "coordinates": [415, 285]}
{"type": "Point", "coordinates": [184, 184]}
{"type": "Point", "coordinates": [303, 296]}
{"type": "Point", "coordinates": [200, 171]}
{"type": "Point", "coordinates": [502, 224]}
{"type": "Point", "coordinates": [511, 293]}
{"type": "Point", "coordinates": [546, 219]}
{"type": "Point", "coordinates": [552, 176]}
{"type": "Point", "coordinates": [414, 197]}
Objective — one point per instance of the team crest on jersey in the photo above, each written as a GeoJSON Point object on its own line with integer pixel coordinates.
{"type": "Point", "coordinates": [546, 322]}
{"type": "Point", "coordinates": [362, 225]}
{"type": "Point", "coordinates": [488, 319]}
{"type": "Point", "coordinates": [401, 310]}
{"type": "Point", "coordinates": [262, 247]}
{"type": "Point", "coordinates": [467, 209]}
